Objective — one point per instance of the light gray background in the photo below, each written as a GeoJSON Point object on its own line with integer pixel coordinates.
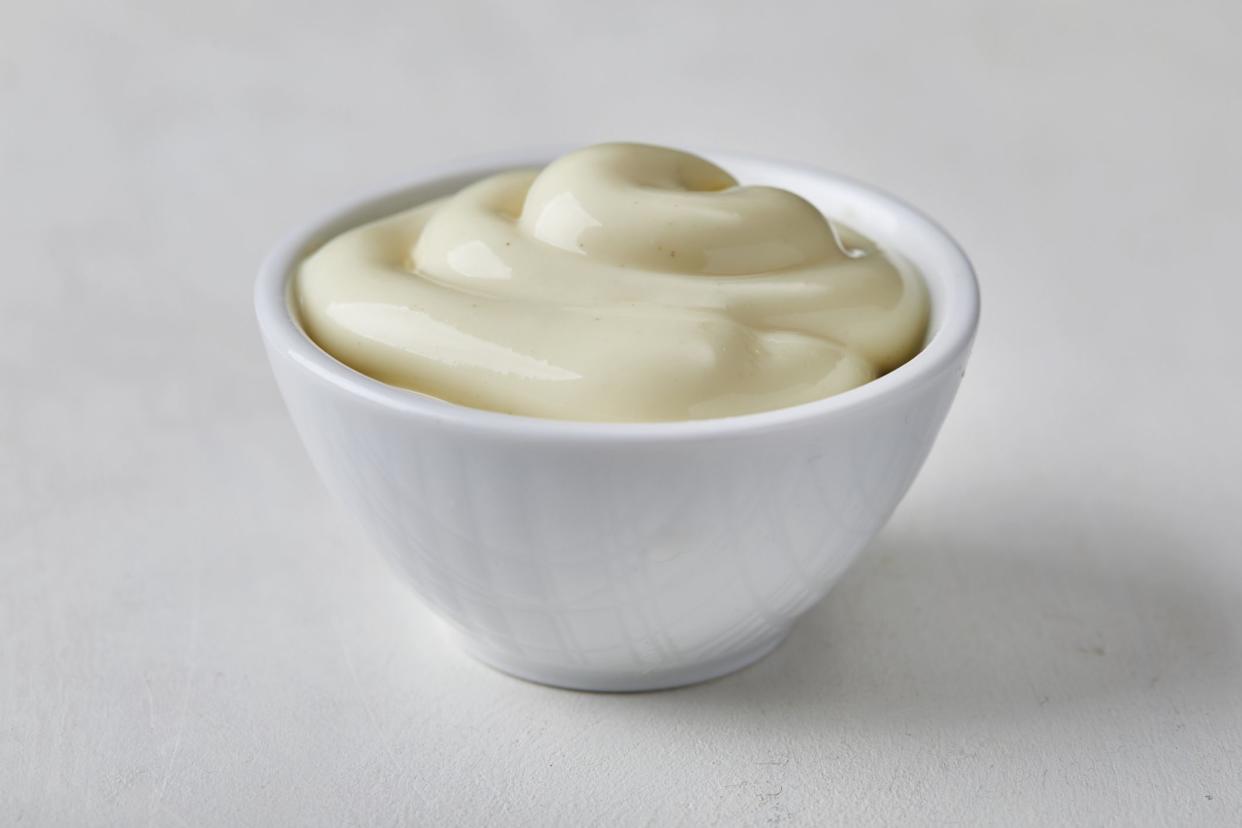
{"type": "Point", "coordinates": [1048, 632]}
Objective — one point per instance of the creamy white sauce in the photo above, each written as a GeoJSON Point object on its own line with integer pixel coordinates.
{"type": "Point", "coordinates": [622, 283]}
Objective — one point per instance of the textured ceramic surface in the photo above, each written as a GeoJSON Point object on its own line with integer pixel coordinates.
{"type": "Point", "coordinates": [625, 556]}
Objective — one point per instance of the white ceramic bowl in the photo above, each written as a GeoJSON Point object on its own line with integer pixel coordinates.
{"type": "Point", "coordinates": [624, 556]}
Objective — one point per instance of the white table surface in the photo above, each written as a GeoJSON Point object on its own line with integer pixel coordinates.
{"type": "Point", "coordinates": [1048, 632]}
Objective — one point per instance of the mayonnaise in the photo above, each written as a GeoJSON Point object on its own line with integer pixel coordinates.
{"type": "Point", "coordinates": [621, 283]}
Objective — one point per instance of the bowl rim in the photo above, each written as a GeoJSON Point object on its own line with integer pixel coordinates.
{"type": "Point", "coordinates": [282, 332]}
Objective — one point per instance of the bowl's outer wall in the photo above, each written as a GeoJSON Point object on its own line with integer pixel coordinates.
{"type": "Point", "coordinates": [606, 559]}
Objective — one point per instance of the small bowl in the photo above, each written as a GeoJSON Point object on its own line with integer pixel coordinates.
{"type": "Point", "coordinates": [623, 556]}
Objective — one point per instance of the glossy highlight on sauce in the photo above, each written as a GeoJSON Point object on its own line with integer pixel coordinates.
{"type": "Point", "coordinates": [621, 283]}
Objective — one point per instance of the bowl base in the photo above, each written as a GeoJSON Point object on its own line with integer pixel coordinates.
{"type": "Point", "coordinates": [600, 681]}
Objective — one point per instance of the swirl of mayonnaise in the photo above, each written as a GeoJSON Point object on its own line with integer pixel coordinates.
{"type": "Point", "coordinates": [622, 283]}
